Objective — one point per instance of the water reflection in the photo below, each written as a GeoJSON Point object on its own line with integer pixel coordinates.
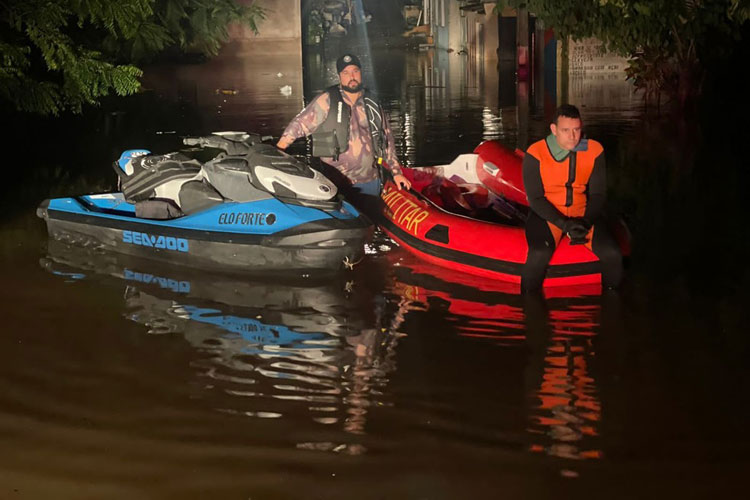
{"type": "Point", "coordinates": [473, 306]}
{"type": "Point", "coordinates": [563, 408]}
{"type": "Point", "coordinates": [440, 104]}
{"type": "Point", "coordinates": [321, 349]}
{"type": "Point", "coordinates": [244, 89]}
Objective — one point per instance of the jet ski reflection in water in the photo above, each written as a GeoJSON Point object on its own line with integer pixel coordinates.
{"type": "Point", "coordinates": [228, 201]}
{"type": "Point", "coordinates": [291, 348]}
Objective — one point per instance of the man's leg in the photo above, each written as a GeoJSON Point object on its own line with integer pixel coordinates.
{"type": "Point", "coordinates": [541, 245]}
{"type": "Point", "coordinates": [371, 188]}
{"type": "Point", "coordinates": [606, 248]}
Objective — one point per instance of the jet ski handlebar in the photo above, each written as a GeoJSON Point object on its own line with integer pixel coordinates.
{"type": "Point", "coordinates": [232, 143]}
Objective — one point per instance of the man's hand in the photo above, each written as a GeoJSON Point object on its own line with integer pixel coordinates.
{"type": "Point", "coordinates": [284, 142]}
{"type": "Point", "coordinates": [576, 230]}
{"type": "Point", "coordinates": [400, 181]}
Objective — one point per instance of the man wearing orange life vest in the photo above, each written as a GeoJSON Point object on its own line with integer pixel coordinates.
{"type": "Point", "coordinates": [565, 180]}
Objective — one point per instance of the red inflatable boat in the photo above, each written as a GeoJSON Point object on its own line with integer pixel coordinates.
{"type": "Point", "coordinates": [468, 216]}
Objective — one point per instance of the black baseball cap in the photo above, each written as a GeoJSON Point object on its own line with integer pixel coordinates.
{"type": "Point", "coordinates": [347, 60]}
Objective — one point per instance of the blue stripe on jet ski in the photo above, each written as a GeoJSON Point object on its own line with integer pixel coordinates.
{"type": "Point", "coordinates": [93, 207]}
{"type": "Point", "coordinates": [130, 225]}
{"type": "Point", "coordinates": [203, 235]}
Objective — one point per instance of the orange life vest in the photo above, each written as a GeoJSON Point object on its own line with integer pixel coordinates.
{"type": "Point", "coordinates": [565, 181]}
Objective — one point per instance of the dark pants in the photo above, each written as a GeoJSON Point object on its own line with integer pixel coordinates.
{"type": "Point", "coordinates": [542, 245]}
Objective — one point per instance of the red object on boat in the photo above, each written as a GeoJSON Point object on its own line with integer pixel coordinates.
{"type": "Point", "coordinates": [499, 169]}
{"type": "Point", "coordinates": [440, 220]}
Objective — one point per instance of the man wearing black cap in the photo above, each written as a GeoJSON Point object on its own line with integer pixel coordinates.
{"type": "Point", "coordinates": [350, 130]}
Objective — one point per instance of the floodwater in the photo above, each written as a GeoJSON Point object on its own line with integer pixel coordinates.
{"type": "Point", "coordinates": [128, 379]}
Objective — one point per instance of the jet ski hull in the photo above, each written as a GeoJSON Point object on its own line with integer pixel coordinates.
{"type": "Point", "coordinates": [254, 237]}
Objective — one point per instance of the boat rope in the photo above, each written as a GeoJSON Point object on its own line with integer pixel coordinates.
{"type": "Point", "coordinates": [348, 264]}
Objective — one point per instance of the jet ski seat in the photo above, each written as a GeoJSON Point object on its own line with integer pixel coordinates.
{"type": "Point", "coordinates": [221, 167]}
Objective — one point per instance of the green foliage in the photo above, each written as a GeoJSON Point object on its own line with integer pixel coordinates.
{"type": "Point", "coordinates": [670, 43]}
{"type": "Point", "coordinates": [739, 10]}
{"type": "Point", "coordinates": [192, 25]}
{"type": "Point", "coordinates": [60, 55]}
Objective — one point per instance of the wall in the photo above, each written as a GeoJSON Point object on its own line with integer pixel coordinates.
{"type": "Point", "coordinates": [438, 15]}
{"type": "Point", "coordinates": [593, 79]}
{"type": "Point", "coordinates": [588, 56]}
{"type": "Point", "coordinates": [455, 24]}
{"type": "Point", "coordinates": [282, 26]}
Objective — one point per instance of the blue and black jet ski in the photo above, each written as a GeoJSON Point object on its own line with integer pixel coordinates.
{"type": "Point", "coordinates": [226, 201]}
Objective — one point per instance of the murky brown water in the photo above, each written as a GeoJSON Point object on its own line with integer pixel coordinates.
{"type": "Point", "coordinates": [124, 379]}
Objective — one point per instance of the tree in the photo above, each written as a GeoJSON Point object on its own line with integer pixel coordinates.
{"type": "Point", "coordinates": [59, 55]}
{"type": "Point", "coordinates": [198, 25]}
{"type": "Point", "coordinates": [670, 43]}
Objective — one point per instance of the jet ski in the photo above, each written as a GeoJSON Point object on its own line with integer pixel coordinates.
{"type": "Point", "coordinates": [226, 201]}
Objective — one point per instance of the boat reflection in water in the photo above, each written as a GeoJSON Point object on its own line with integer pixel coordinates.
{"type": "Point", "coordinates": [316, 347]}
{"type": "Point", "coordinates": [558, 332]}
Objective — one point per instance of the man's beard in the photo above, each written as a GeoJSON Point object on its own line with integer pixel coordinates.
{"type": "Point", "coordinates": [352, 88]}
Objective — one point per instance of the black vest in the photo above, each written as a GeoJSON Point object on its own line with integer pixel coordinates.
{"type": "Point", "coordinates": [332, 136]}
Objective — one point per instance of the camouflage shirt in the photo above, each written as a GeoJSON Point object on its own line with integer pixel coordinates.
{"type": "Point", "coordinates": [357, 162]}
